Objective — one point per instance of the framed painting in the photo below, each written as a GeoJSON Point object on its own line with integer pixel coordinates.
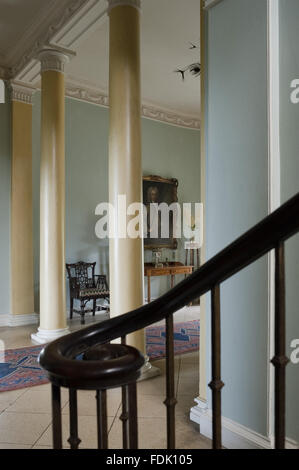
{"type": "Point", "coordinates": [157, 190]}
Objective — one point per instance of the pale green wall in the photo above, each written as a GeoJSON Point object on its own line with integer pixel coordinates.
{"type": "Point", "coordinates": [289, 70]}
{"type": "Point", "coordinates": [173, 152]}
{"type": "Point", "coordinates": [237, 195]}
{"type": "Point", "coordinates": [5, 165]}
{"type": "Point", "coordinates": [168, 151]}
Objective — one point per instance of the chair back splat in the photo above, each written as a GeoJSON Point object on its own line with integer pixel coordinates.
{"type": "Point", "coordinates": [86, 286]}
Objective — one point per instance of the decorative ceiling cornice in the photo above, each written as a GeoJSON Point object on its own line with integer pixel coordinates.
{"type": "Point", "coordinates": [21, 92]}
{"type": "Point", "coordinates": [46, 36]}
{"type": "Point", "coordinates": [170, 117]}
{"type": "Point", "coordinates": [92, 95]}
{"type": "Point", "coordinates": [84, 93]}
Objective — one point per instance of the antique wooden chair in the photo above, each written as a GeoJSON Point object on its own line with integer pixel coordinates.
{"type": "Point", "coordinates": [85, 286]}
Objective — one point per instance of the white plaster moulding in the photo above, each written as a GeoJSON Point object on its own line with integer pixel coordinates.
{"type": "Point", "coordinates": [54, 58]}
{"type": "Point", "coordinates": [148, 111]}
{"type": "Point", "coordinates": [21, 92]}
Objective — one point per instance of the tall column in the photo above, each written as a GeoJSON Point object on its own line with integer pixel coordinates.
{"type": "Point", "coordinates": [125, 165]}
{"type": "Point", "coordinates": [22, 285]}
{"type": "Point", "coordinates": [125, 172]}
{"type": "Point", "coordinates": [52, 198]}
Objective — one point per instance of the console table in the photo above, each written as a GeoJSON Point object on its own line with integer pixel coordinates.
{"type": "Point", "coordinates": [171, 269]}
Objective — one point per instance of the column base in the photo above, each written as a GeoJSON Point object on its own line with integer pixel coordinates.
{"type": "Point", "coordinates": [46, 336]}
{"type": "Point", "coordinates": [148, 371]}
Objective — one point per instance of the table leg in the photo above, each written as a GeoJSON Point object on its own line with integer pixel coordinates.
{"type": "Point", "coordinates": [148, 288]}
{"type": "Point", "coordinates": [186, 260]}
{"type": "Point", "coordinates": [172, 281]}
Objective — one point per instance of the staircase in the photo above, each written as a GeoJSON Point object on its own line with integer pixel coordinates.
{"type": "Point", "coordinates": [104, 365]}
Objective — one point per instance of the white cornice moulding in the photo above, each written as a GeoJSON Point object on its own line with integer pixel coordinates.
{"type": "Point", "coordinates": [211, 3]}
{"type": "Point", "coordinates": [82, 93]}
{"type": "Point", "coordinates": [116, 3]}
{"type": "Point", "coordinates": [21, 92]}
{"type": "Point", "coordinates": [170, 117]}
{"type": "Point", "coordinates": [54, 59]}
{"type": "Point", "coordinates": [97, 97]}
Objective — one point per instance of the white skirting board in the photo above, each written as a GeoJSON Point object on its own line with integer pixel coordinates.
{"type": "Point", "coordinates": [19, 320]}
{"type": "Point", "coordinates": [234, 435]}
{"type": "Point", "coordinates": [33, 319]}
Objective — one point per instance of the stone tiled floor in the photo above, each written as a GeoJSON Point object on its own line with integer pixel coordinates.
{"type": "Point", "coordinates": [25, 415]}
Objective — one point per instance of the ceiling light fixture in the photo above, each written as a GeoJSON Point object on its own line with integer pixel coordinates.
{"type": "Point", "coordinates": [194, 68]}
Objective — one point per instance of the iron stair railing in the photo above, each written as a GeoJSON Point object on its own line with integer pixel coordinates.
{"type": "Point", "coordinates": [107, 365]}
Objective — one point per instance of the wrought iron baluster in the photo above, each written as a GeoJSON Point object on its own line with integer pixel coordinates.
{"type": "Point", "coordinates": [56, 414]}
{"type": "Point", "coordinates": [73, 440]}
{"type": "Point", "coordinates": [170, 401]}
{"type": "Point", "coordinates": [101, 399]}
{"type": "Point", "coordinates": [216, 384]}
{"type": "Point", "coordinates": [124, 417]}
{"type": "Point", "coordinates": [280, 359]}
{"type": "Point", "coordinates": [132, 407]}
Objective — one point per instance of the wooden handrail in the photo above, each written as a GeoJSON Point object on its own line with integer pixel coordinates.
{"type": "Point", "coordinates": [59, 357]}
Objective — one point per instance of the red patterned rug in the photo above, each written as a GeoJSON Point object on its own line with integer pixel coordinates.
{"type": "Point", "coordinates": [19, 368]}
{"type": "Point", "coordinates": [186, 339]}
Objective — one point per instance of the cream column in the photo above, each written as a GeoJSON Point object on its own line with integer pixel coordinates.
{"type": "Point", "coordinates": [125, 165]}
{"type": "Point", "coordinates": [22, 285]}
{"type": "Point", "coordinates": [52, 198]}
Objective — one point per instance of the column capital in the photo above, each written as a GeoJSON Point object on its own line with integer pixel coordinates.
{"type": "Point", "coordinates": [117, 3]}
{"type": "Point", "coordinates": [54, 59]}
{"type": "Point", "coordinates": [21, 92]}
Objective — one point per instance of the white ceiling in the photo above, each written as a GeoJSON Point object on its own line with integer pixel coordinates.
{"type": "Point", "coordinates": [167, 26]}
